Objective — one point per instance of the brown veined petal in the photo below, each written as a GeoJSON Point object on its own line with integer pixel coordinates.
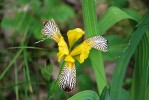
{"type": "Point", "coordinates": [98, 42]}
{"type": "Point", "coordinates": [67, 78]}
{"type": "Point", "coordinates": [51, 30]}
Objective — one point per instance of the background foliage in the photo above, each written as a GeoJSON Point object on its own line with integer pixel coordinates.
{"type": "Point", "coordinates": [28, 71]}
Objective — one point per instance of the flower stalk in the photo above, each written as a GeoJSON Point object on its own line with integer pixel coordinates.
{"type": "Point", "coordinates": [90, 22]}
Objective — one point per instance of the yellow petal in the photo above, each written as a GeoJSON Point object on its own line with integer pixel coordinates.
{"type": "Point", "coordinates": [70, 65]}
{"type": "Point", "coordinates": [63, 48]}
{"type": "Point", "coordinates": [69, 58]}
{"type": "Point", "coordinates": [84, 55]}
{"type": "Point", "coordinates": [74, 35]}
{"type": "Point", "coordinates": [60, 55]}
{"type": "Point", "coordinates": [81, 51]}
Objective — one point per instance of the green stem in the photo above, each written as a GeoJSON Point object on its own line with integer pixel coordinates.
{"type": "Point", "coordinates": [53, 89]}
{"type": "Point", "coordinates": [49, 92]}
{"type": "Point", "coordinates": [90, 21]}
{"type": "Point", "coordinates": [16, 82]}
{"type": "Point", "coordinates": [10, 64]}
{"type": "Point", "coordinates": [25, 85]}
{"type": "Point", "coordinates": [27, 71]}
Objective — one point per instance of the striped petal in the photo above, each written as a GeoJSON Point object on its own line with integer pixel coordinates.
{"type": "Point", "coordinates": [67, 78]}
{"type": "Point", "coordinates": [98, 42]}
{"type": "Point", "coordinates": [51, 30]}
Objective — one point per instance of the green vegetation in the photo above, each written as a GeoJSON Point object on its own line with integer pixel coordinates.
{"type": "Point", "coordinates": [29, 70]}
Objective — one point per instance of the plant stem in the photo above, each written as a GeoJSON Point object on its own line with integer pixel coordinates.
{"type": "Point", "coordinates": [90, 22]}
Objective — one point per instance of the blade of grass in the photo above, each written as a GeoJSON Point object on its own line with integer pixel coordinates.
{"type": "Point", "coordinates": [27, 47]}
{"type": "Point", "coordinates": [110, 17]}
{"type": "Point", "coordinates": [140, 78]}
{"type": "Point", "coordinates": [121, 67]}
{"type": "Point", "coordinates": [90, 22]}
{"type": "Point", "coordinates": [134, 14]}
{"type": "Point", "coordinates": [52, 89]}
{"type": "Point", "coordinates": [27, 74]}
{"type": "Point", "coordinates": [27, 71]}
{"type": "Point", "coordinates": [105, 93]}
{"type": "Point", "coordinates": [10, 64]}
{"type": "Point", "coordinates": [18, 53]}
{"type": "Point", "coordinates": [147, 92]}
{"type": "Point", "coordinates": [16, 82]}
{"type": "Point", "coordinates": [25, 84]}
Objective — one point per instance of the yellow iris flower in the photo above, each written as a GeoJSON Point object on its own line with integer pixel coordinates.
{"type": "Point", "coordinates": [73, 36]}
{"type": "Point", "coordinates": [81, 52]}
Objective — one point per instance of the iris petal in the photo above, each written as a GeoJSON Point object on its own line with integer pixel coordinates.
{"type": "Point", "coordinates": [67, 78]}
{"type": "Point", "coordinates": [51, 30]}
{"type": "Point", "coordinates": [69, 58]}
{"type": "Point", "coordinates": [81, 51]}
{"type": "Point", "coordinates": [63, 48]}
{"type": "Point", "coordinates": [98, 42]}
{"type": "Point", "coordinates": [74, 35]}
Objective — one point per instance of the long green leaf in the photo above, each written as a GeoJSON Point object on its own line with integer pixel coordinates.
{"type": "Point", "coordinates": [141, 77]}
{"type": "Point", "coordinates": [124, 95]}
{"type": "Point", "coordinates": [90, 21]}
{"type": "Point", "coordinates": [110, 17]}
{"type": "Point", "coordinates": [104, 94]}
{"type": "Point", "coordinates": [85, 95]}
{"type": "Point", "coordinates": [121, 67]}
